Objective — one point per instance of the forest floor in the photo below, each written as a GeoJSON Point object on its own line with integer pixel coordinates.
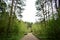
{"type": "Point", "coordinates": [29, 36]}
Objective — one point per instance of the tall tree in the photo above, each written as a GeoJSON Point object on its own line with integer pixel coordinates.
{"type": "Point", "coordinates": [10, 19]}
{"type": "Point", "coordinates": [57, 6]}
{"type": "Point", "coordinates": [15, 5]}
{"type": "Point", "coordinates": [48, 12]}
{"type": "Point", "coordinates": [40, 7]}
{"type": "Point", "coordinates": [59, 3]}
{"type": "Point", "coordinates": [2, 8]}
{"type": "Point", "coordinates": [52, 8]}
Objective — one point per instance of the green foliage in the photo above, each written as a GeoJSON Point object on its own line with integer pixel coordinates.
{"type": "Point", "coordinates": [50, 29]}
{"type": "Point", "coordinates": [49, 32]}
{"type": "Point", "coordinates": [3, 6]}
{"type": "Point", "coordinates": [39, 30]}
{"type": "Point", "coordinates": [15, 32]}
{"type": "Point", "coordinates": [10, 27]}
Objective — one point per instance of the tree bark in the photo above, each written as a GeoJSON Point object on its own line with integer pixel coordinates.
{"type": "Point", "coordinates": [52, 9]}
{"type": "Point", "coordinates": [10, 19]}
{"type": "Point", "coordinates": [59, 3]}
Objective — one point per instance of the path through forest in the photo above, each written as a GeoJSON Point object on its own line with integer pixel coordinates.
{"type": "Point", "coordinates": [29, 36]}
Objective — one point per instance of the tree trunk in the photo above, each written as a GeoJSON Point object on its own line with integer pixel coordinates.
{"type": "Point", "coordinates": [44, 16]}
{"type": "Point", "coordinates": [52, 10]}
{"type": "Point", "coordinates": [10, 18]}
{"type": "Point", "coordinates": [48, 15]}
{"type": "Point", "coordinates": [45, 13]}
{"type": "Point", "coordinates": [59, 3]}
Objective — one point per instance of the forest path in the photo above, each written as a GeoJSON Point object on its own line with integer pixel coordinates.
{"type": "Point", "coordinates": [29, 36]}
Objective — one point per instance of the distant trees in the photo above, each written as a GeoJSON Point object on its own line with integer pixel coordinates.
{"type": "Point", "coordinates": [29, 26]}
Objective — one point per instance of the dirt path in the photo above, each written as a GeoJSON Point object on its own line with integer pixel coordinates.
{"type": "Point", "coordinates": [29, 36]}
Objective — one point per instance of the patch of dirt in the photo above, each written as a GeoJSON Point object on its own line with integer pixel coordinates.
{"type": "Point", "coordinates": [29, 36]}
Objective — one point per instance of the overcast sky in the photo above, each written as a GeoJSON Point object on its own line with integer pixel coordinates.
{"type": "Point", "coordinates": [30, 11]}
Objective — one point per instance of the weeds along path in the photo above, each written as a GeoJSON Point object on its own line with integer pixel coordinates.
{"type": "Point", "coordinates": [29, 36]}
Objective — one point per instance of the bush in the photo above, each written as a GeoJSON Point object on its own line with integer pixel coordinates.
{"type": "Point", "coordinates": [15, 31]}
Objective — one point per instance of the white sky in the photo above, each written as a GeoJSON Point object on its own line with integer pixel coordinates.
{"type": "Point", "coordinates": [30, 11]}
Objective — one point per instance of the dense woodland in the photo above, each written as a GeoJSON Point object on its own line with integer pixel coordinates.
{"type": "Point", "coordinates": [47, 28]}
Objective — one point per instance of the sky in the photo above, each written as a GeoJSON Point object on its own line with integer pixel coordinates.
{"type": "Point", "coordinates": [30, 11]}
